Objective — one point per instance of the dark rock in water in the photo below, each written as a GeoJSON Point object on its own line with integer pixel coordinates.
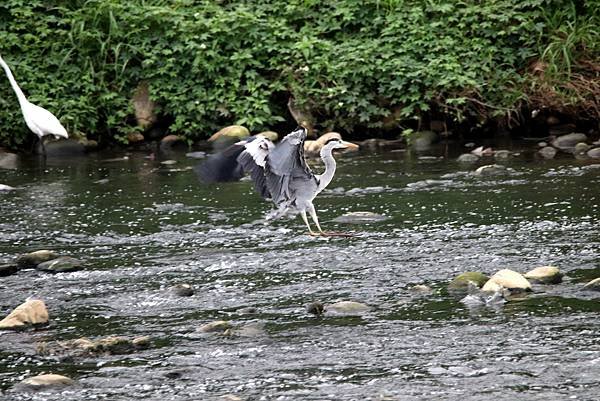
{"type": "Point", "coordinates": [8, 269]}
{"type": "Point", "coordinates": [61, 264]}
{"type": "Point", "coordinates": [461, 282]}
{"type": "Point", "coordinates": [172, 142]}
{"type": "Point", "coordinates": [183, 290]}
{"type": "Point", "coordinates": [33, 259]}
{"type": "Point", "coordinates": [547, 152]}
{"type": "Point", "coordinates": [9, 161]}
{"type": "Point", "coordinates": [64, 148]}
{"type": "Point", "coordinates": [502, 154]}
{"type": "Point", "coordinates": [423, 140]}
{"type": "Point", "coordinates": [468, 158]}
{"type": "Point", "coordinates": [567, 142]}
{"type": "Point", "coordinates": [360, 217]}
{"type": "Point", "coordinates": [594, 153]}
{"type": "Point", "coordinates": [316, 308]}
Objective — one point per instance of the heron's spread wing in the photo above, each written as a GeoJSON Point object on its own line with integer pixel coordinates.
{"type": "Point", "coordinates": [247, 156]}
{"type": "Point", "coordinates": [285, 166]}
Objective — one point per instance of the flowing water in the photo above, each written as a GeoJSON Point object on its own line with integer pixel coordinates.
{"type": "Point", "coordinates": [141, 227]}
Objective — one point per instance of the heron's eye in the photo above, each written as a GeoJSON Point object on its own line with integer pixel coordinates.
{"type": "Point", "coordinates": [332, 140]}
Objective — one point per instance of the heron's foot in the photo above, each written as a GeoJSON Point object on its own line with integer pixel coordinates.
{"type": "Point", "coordinates": [314, 234]}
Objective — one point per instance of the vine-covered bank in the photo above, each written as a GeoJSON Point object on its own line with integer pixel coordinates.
{"type": "Point", "coordinates": [369, 67]}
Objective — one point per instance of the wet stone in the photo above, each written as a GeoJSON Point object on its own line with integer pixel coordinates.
{"type": "Point", "coordinates": [346, 308]}
{"type": "Point", "coordinates": [360, 217]}
{"type": "Point", "coordinates": [9, 161]}
{"type": "Point", "coordinates": [593, 285]}
{"type": "Point", "coordinates": [468, 158]}
{"type": "Point", "coordinates": [31, 312]}
{"type": "Point", "coordinates": [8, 269]}
{"type": "Point", "coordinates": [594, 153]}
{"type": "Point", "coordinates": [502, 154]}
{"type": "Point", "coordinates": [112, 345]}
{"type": "Point", "coordinates": [33, 259]}
{"type": "Point", "coordinates": [45, 381]}
{"type": "Point", "coordinates": [544, 275]}
{"type": "Point", "coordinates": [215, 327]}
{"type": "Point", "coordinates": [461, 282]}
{"type": "Point", "coordinates": [316, 308]}
{"type": "Point", "coordinates": [182, 290]}
{"type": "Point", "coordinates": [508, 279]}
{"type": "Point", "coordinates": [490, 170]}
{"type": "Point", "coordinates": [547, 152]}
{"type": "Point", "coordinates": [61, 264]}
{"type": "Point", "coordinates": [568, 142]}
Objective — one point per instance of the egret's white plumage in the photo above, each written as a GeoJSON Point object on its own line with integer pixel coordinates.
{"type": "Point", "coordinates": [39, 120]}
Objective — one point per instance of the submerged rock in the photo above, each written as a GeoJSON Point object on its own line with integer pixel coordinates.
{"type": "Point", "coordinates": [594, 153]}
{"type": "Point", "coordinates": [490, 170]}
{"type": "Point", "coordinates": [468, 158]}
{"type": "Point", "coordinates": [547, 152]}
{"type": "Point", "coordinates": [502, 154]}
{"type": "Point", "coordinates": [477, 298]}
{"type": "Point", "coordinates": [64, 148]}
{"type": "Point", "coordinates": [9, 161]}
{"type": "Point", "coordinates": [593, 285]}
{"type": "Point", "coordinates": [46, 380]}
{"type": "Point", "coordinates": [545, 275]}
{"type": "Point", "coordinates": [61, 264]}
{"type": "Point", "coordinates": [423, 140]}
{"type": "Point", "coordinates": [33, 259]}
{"type": "Point", "coordinates": [508, 279]}
{"type": "Point", "coordinates": [567, 142]}
{"type": "Point", "coordinates": [182, 290]}
{"type": "Point", "coordinates": [360, 217]}
{"type": "Point", "coordinates": [112, 345]}
{"type": "Point", "coordinates": [461, 282]}
{"type": "Point", "coordinates": [215, 327]}
{"type": "Point", "coordinates": [7, 269]}
{"type": "Point", "coordinates": [31, 312]}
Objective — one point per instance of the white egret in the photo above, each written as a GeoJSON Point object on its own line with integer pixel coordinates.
{"type": "Point", "coordinates": [39, 120]}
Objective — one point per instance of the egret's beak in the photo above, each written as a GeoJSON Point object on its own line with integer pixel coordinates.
{"type": "Point", "coordinates": [350, 146]}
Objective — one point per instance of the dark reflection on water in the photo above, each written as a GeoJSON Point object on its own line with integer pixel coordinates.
{"type": "Point", "coordinates": [141, 228]}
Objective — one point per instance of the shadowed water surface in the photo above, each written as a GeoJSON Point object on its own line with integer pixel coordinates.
{"type": "Point", "coordinates": [142, 227]}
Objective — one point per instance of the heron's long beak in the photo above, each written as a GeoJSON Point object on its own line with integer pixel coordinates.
{"type": "Point", "coordinates": [350, 146]}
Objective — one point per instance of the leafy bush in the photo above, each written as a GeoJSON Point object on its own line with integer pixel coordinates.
{"type": "Point", "coordinates": [369, 64]}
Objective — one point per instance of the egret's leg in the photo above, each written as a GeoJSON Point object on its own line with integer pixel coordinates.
{"type": "Point", "coordinates": [313, 215]}
{"type": "Point", "coordinates": [303, 214]}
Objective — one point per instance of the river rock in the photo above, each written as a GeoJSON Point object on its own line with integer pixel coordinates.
{"type": "Point", "coordinates": [346, 308]}
{"type": "Point", "coordinates": [547, 152]}
{"type": "Point", "coordinates": [594, 153]}
{"type": "Point", "coordinates": [461, 282]}
{"type": "Point", "coordinates": [568, 142]}
{"type": "Point", "coordinates": [508, 279]}
{"type": "Point", "coordinates": [47, 380]}
{"type": "Point", "coordinates": [270, 135]}
{"type": "Point", "coordinates": [135, 137]}
{"type": "Point", "coordinates": [255, 329]}
{"type": "Point", "coordinates": [544, 275]}
{"type": "Point", "coordinates": [490, 170]}
{"type": "Point", "coordinates": [33, 259]}
{"type": "Point", "coordinates": [502, 154]}
{"type": "Point", "coordinates": [468, 158]}
{"type": "Point", "coordinates": [182, 290]}
{"type": "Point", "coordinates": [423, 140]}
{"type": "Point", "coordinates": [581, 148]}
{"type": "Point", "coordinates": [593, 285]}
{"type": "Point", "coordinates": [63, 148]}
{"type": "Point", "coordinates": [231, 132]}
{"type": "Point", "coordinates": [171, 142]}
{"type": "Point", "coordinates": [215, 327]}
{"type": "Point", "coordinates": [360, 218]}
{"type": "Point", "coordinates": [112, 345]}
{"type": "Point", "coordinates": [31, 312]}
{"type": "Point", "coordinates": [61, 264]}
{"type": "Point", "coordinates": [8, 161]}
{"type": "Point", "coordinates": [7, 269]}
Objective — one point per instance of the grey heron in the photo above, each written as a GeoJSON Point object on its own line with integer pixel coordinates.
{"type": "Point", "coordinates": [279, 173]}
{"type": "Point", "coordinates": [39, 120]}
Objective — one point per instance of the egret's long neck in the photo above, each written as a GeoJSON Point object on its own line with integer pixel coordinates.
{"type": "Point", "coordinates": [13, 83]}
{"type": "Point", "coordinates": [327, 176]}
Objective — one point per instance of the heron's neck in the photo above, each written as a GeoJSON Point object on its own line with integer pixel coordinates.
{"type": "Point", "coordinates": [13, 83]}
{"type": "Point", "coordinates": [327, 176]}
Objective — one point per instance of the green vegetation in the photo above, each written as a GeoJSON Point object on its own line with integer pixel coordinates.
{"type": "Point", "coordinates": [354, 64]}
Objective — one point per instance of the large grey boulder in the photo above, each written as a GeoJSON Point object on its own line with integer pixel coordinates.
{"type": "Point", "coordinates": [544, 275]}
{"type": "Point", "coordinates": [61, 264]}
{"type": "Point", "coordinates": [509, 279]}
{"type": "Point", "coordinates": [31, 312]}
{"type": "Point", "coordinates": [567, 142]}
{"type": "Point", "coordinates": [33, 259]}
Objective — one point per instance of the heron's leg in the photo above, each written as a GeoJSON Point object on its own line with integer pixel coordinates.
{"type": "Point", "coordinates": [313, 215]}
{"type": "Point", "coordinates": [303, 214]}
